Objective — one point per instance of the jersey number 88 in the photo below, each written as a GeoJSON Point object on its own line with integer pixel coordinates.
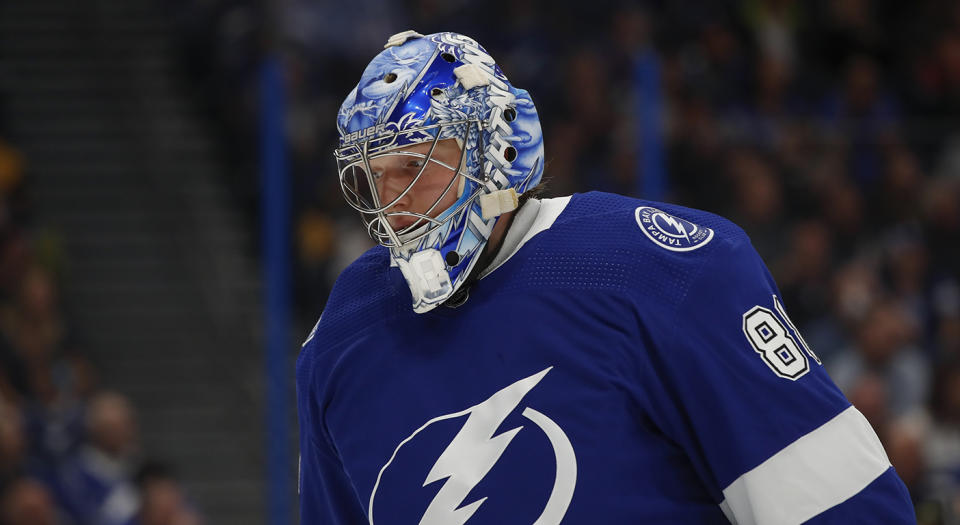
{"type": "Point", "coordinates": [771, 338]}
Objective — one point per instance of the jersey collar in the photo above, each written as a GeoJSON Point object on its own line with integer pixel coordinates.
{"type": "Point", "coordinates": [535, 216]}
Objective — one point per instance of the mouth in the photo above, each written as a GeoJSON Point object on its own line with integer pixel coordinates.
{"type": "Point", "coordinates": [399, 222]}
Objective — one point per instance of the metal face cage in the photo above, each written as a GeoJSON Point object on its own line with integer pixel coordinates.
{"type": "Point", "coordinates": [359, 180]}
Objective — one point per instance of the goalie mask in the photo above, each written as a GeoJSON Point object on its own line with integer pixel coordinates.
{"type": "Point", "coordinates": [436, 108]}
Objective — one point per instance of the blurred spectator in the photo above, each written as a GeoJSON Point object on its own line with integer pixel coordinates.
{"type": "Point", "coordinates": [945, 299]}
{"type": "Point", "coordinates": [758, 203]}
{"type": "Point", "coordinates": [13, 444]}
{"type": "Point", "coordinates": [943, 444]}
{"type": "Point", "coordinates": [775, 24]}
{"type": "Point", "coordinates": [162, 499]}
{"type": "Point", "coordinates": [16, 459]}
{"type": "Point", "coordinates": [57, 378]}
{"type": "Point", "coordinates": [803, 271]}
{"type": "Point", "coordinates": [941, 212]}
{"type": "Point", "coordinates": [897, 199]}
{"type": "Point", "coordinates": [96, 485]}
{"type": "Point", "coordinates": [27, 502]}
{"type": "Point", "coordinates": [884, 346]}
{"type": "Point", "coordinates": [870, 394]}
{"type": "Point", "coordinates": [843, 209]}
{"type": "Point", "coordinates": [904, 441]}
{"type": "Point", "coordinates": [36, 329]}
{"type": "Point", "coordinates": [867, 115]}
{"type": "Point", "coordinates": [11, 168]}
{"type": "Point", "coordinates": [936, 487]}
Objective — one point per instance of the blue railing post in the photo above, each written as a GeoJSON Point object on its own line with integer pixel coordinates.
{"type": "Point", "coordinates": [275, 220]}
{"type": "Point", "coordinates": [648, 101]}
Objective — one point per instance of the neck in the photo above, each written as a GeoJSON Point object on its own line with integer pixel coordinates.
{"type": "Point", "coordinates": [493, 243]}
{"type": "Point", "coordinates": [498, 233]}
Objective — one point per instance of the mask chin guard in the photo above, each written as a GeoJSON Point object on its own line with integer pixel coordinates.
{"type": "Point", "coordinates": [428, 279]}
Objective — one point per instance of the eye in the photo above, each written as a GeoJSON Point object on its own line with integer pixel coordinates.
{"type": "Point", "coordinates": [416, 163]}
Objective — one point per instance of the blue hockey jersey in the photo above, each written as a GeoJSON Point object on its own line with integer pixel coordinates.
{"type": "Point", "coordinates": [631, 363]}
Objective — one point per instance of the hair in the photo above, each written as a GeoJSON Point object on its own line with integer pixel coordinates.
{"type": "Point", "coordinates": [944, 377]}
{"type": "Point", "coordinates": [536, 192]}
{"type": "Point", "coordinates": [153, 470]}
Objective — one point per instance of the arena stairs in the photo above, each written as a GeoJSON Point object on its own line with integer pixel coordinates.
{"type": "Point", "coordinates": [161, 277]}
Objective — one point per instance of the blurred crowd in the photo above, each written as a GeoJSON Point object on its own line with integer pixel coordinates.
{"type": "Point", "coordinates": [828, 129]}
{"type": "Point", "coordinates": [69, 452]}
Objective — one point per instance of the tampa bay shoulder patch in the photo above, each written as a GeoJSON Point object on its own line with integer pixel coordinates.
{"type": "Point", "coordinates": [671, 232]}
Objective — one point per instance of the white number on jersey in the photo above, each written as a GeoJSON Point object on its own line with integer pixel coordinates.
{"type": "Point", "coordinates": [770, 338]}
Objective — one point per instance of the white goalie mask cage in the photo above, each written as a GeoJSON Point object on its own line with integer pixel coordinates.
{"type": "Point", "coordinates": [360, 182]}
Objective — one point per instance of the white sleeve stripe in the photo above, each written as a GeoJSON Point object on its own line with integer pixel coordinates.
{"type": "Point", "coordinates": [725, 508]}
{"type": "Point", "coordinates": [814, 473]}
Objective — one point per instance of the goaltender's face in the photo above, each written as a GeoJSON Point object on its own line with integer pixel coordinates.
{"type": "Point", "coordinates": [394, 172]}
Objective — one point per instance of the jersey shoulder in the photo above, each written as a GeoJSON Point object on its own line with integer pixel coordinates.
{"type": "Point", "coordinates": [642, 248]}
{"type": "Point", "coordinates": [367, 291]}
{"type": "Point", "coordinates": [665, 228]}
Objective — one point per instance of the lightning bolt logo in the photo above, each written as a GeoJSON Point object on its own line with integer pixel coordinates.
{"type": "Point", "coordinates": [677, 225]}
{"type": "Point", "coordinates": [472, 453]}
{"type": "Point", "coordinates": [475, 450]}
{"type": "Point", "coordinates": [671, 232]}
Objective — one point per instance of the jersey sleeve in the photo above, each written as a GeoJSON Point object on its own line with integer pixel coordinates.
{"type": "Point", "coordinates": [327, 496]}
{"type": "Point", "coordinates": [730, 381]}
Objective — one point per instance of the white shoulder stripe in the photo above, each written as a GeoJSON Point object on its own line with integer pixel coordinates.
{"type": "Point", "coordinates": [814, 473]}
